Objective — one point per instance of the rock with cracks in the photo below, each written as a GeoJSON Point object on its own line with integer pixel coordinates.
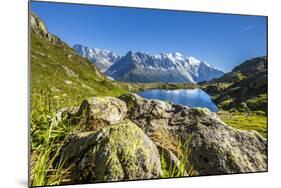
{"type": "Point", "coordinates": [214, 147]}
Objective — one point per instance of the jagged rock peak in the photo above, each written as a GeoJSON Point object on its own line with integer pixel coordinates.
{"type": "Point", "coordinates": [38, 26]}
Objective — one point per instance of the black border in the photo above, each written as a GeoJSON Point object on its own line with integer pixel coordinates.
{"type": "Point", "coordinates": [132, 7]}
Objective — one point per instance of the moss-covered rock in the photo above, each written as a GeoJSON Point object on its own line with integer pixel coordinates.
{"type": "Point", "coordinates": [118, 152]}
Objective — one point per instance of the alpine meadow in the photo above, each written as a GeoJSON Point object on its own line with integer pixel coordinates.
{"type": "Point", "coordinates": [136, 113]}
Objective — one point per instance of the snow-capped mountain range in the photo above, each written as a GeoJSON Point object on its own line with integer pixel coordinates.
{"type": "Point", "coordinates": [145, 68]}
{"type": "Point", "coordinates": [164, 67]}
{"type": "Point", "coordinates": [103, 59]}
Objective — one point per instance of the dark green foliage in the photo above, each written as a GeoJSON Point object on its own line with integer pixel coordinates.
{"type": "Point", "coordinates": [243, 89]}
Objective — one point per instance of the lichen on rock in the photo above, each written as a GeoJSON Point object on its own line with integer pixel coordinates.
{"type": "Point", "coordinates": [118, 152]}
{"type": "Point", "coordinates": [101, 111]}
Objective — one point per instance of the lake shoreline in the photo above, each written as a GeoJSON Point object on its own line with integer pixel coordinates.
{"type": "Point", "coordinates": [255, 121]}
{"type": "Point", "coordinates": [191, 98]}
{"type": "Point", "coordinates": [136, 87]}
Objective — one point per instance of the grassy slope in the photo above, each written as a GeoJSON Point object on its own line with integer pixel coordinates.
{"type": "Point", "coordinates": [58, 70]}
{"type": "Point", "coordinates": [59, 78]}
{"type": "Point", "coordinates": [256, 121]}
{"type": "Point", "coordinates": [242, 95]}
{"type": "Point", "coordinates": [242, 89]}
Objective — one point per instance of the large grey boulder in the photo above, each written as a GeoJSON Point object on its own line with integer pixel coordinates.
{"type": "Point", "coordinates": [214, 147]}
{"type": "Point", "coordinates": [94, 113]}
{"type": "Point", "coordinates": [118, 152]}
{"type": "Point", "coordinates": [219, 149]}
{"type": "Point", "coordinates": [98, 112]}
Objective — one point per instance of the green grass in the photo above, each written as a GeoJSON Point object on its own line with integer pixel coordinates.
{"type": "Point", "coordinates": [45, 142]}
{"type": "Point", "coordinates": [226, 103]}
{"type": "Point", "coordinates": [258, 99]}
{"type": "Point", "coordinates": [239, 76]}
{"type": "Point", "coordinates": [257, 121]}
{"type": "Point", "coordinates": [258, 102]}
{"type": "Point", "coordinates": [214, 89]}
{"type": "Point", "coordinates": [43, 171]}
{"type": "Point", "coordinates": [185, 168]}
{"type": "Point", "coordinates": [59, 78]}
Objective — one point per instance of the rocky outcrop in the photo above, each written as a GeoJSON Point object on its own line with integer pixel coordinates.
{"type": "Point", "coordinates": [138, 134]}
{"type": "Point", "coordinates": [215, 148]}
{"type": "Point", "coordinates": [39, 27]}
{"type": "Point", "coordinates": [118, 152]}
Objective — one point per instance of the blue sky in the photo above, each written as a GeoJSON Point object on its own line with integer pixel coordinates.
{"type": "Point", "coordinates": [222, 40]}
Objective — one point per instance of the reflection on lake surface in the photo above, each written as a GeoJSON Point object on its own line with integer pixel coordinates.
{"type": "Point", "coordinates": [188, 97]}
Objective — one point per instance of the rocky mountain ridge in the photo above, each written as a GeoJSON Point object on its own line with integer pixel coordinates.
{"type": "Point", "coordinates": [164, 67]}
{"type": "Point", "coordinates": [103, 59]}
